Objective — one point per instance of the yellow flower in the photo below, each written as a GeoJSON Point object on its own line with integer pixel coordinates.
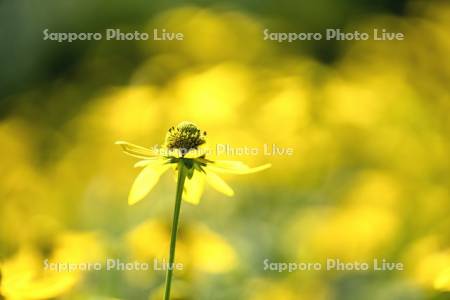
{"type": "Point", "coordinates": [183, 143]}
{"type": "Point", "coordinates": [23, 277]}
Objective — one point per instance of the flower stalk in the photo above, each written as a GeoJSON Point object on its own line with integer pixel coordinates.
{"type": "Point", "coordinates": [182, 172]}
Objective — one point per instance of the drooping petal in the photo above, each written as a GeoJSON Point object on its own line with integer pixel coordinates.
{"type": "Point", "coordinates": [145, 181]}
{"type": "Point", "coordinates": [193, 188]}
{"type": "Point", "coordinates": [218, 183]}
{"type": "Point", "coordinates": [234, 167]}
{"type": "Point", "coordinates": [137, 151]}
{"type": "Point", "coordinates": [147, 162]}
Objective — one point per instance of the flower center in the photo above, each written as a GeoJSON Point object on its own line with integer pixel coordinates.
{"type": "Point", "coordinates": [185, 136]}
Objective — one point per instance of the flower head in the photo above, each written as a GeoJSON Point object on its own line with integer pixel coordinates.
{"type": "Point", "coordinates": [182, 144]}
{"type": "Point", "coordinates": [185, 137]}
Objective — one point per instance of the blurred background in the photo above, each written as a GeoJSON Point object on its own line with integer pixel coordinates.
{"type": "Point", "coordinates": [368, 122]}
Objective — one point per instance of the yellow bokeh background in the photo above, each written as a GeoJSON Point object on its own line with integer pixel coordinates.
{"type": "Point", "coordinates": [368, 177]}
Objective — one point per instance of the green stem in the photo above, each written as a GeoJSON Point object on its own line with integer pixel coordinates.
{"type": "Point", "coordinates": [173, 238]}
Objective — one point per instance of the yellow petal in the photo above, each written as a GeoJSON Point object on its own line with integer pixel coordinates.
{"type": "Point", "coordinates": [137, 151]}
{"type": "Point", "coordinates": [218, 183]}
{"type": "Point", "coordinates": [145, 181]}
{"type": "Point", "coordinates": [193, 188]}
{"type": "Point", "coordinates": [147, 162]}
{"type": "Point", "coordinates": [234, 167]}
